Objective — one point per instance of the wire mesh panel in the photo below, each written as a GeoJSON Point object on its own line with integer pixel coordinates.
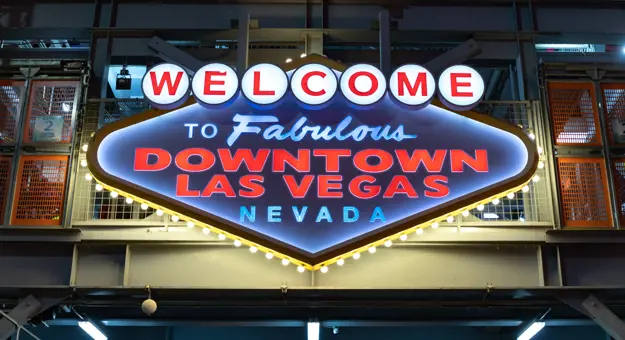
{"type": "Point", "coordinates": [5, 174]}
{"type": "Point", "coordinates": [584, 193]}
{"type": "Point", "coordinates": [614, 107]}
{"type": "Point", "coordinates": [573, 113]}
{"type": "Point", "coordinates": [39, 190]}
{"type": "Point", "coordinates": [50, 112]}
{"type": "Point", "coordinates": [11, 97]}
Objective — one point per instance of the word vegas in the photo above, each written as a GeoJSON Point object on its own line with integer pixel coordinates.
{"type": "Point", "coordinates": [168, 85]}
{"type": "Point", "coordinates": [225, 164]}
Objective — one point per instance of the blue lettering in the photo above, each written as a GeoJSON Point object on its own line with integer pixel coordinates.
{"type": "Point", "coordinates": [242, 127]}
{"type": "Point", "coordinates": [250, 214]}
{"type": "Point", "coordinates": [377, 215]}
{"type": "Point", "coordinates": [213, 134]}
{"type": "Point", "coordinates": [299, 215]}
{"type": "Point", "coordinates": [274, 214]}
{"type": "Point", "coordinates": [191, 126]}
{"type": "Point", "coordinates": [324, 214]}
{"type": "Point", "coordinates": [347, 218]}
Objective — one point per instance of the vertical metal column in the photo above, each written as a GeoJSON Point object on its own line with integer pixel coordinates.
{"type": "Point", "coordinates": [243, 47]}
{"type": "Point", "coordinates": [385, 42]}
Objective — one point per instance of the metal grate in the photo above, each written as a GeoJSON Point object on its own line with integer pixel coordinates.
{"type": "Point", "coordinates": [573, 113]}
{"type": "Point", "coordinates": [614, 105]}
{"type": "Point", "coordinates": [11, 96]}
{"type": "Point", "coordinates": [584, 194]}
{"type": "Point", "coordinates": [5, 174]}
{"type": "Point", "coordinates": [39, 191]}
{"type": "Point", "coordinates": [52, 99]}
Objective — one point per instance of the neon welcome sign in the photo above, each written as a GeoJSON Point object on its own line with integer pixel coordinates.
{"type": "Point", "coordinates": [315, 162]}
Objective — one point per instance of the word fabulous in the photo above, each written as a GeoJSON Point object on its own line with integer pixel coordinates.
{"type": "Point", "coordinates": [168, 85]}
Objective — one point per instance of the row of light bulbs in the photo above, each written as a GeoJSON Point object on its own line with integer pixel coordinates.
{"type": "Point", "coordinates": [288, 60]}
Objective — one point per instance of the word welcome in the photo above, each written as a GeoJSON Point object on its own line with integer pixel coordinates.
{"type": "Point", "coordinates": [168, 85]}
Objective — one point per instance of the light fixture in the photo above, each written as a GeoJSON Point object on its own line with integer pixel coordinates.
{"type": "Point", "coordinates": [496, 201]}
{"type": "Point", "coordinates": [372, 250]}
{"type": "Point", "coordinates": [356, 256]}
{"type": "Point", "coordinates": [253, 250]}
{"type": "Point", "coordinates": [92, 330]}
{"type": "Point", "coordinates": [480, 207]}
{"type": "Point", "coordinates": [144, 206]}
{"type": "Point", "coordinates": [83, 163]}
{"type": "Point", "coordinates": [98, 187]}
{"type": "Point", "coordinates": [301, 269]}
{"type": "Point", "coordinates": [159, 212]}
{"type": "Point", "coordinates": [525, 189]}
{"type": "Point", "coordinates": [434, 225]}
{"type": "Point", "coordinates": [85, 147]}
{"type": "Point", "coordinates": [206, 231]}
{"type": "Point", "coordinates": [340, 262]}
{"type": "Point", "coordinates": [403, 237]}
{"type": "Point", "coordinates": [285, 262]}
{"type": "Point", "coordinates": [465, 213]}
{"type": "Point", "coordinates": [123, 81]}
{"type": "Point", "coordinates": [237, 243]}
{"type": "Point", "coordinates": [419, 231]}
{"type": "Point", "coordinates": [128, 200]}
{"type": "Point", "coordinates": [303, 55]}
{"type": "Point", "coordinates": [221, 237]}
{"type": "Point", "coordinates": [450, 219]}
{"type": "Point", "coordinates": [88, 177]}
{"type": "Point", "coordinates": [175, 218]}
{"type": "Point", "coordinates": [536, 178]}
{"type": "Point", "coordinates": [510, 195]}
{"type": "Point", "coordinates": [65, 107]}
{"type": "Point", "coordinates": [388, 243]}
{"type": "Point", "coordinates": [532, 136]}
{"type": "Point", "coordinates": [313, 330]}
{"type": "Point", "coordinates": [114, 194]}
{"type": "Point", "coordinates": [190, 224]}
{"type": "Point", "coordinates": [532, 330]}
{"type": "Point", "coordinates": [288, 60]}
{"type": "Point", "coordinates": [540, 150]}
{"type": "Point", "coordinates": [268, 256]}
{"type": "Point", "coordinates": [324, 269]}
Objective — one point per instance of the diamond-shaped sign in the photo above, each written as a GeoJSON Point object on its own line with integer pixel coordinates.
{"type": "Point", "coordinates": [312, 183]}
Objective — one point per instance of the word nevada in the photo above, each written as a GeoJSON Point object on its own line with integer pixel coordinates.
{"type": "Point", "coordinates": [168, 85]}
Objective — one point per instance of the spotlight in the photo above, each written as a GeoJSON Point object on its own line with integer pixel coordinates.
{"type": "Point", "coordinates": [123, 81]}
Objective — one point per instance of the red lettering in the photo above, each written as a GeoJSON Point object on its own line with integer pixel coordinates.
{"type": "Point", "coordinates": [352, 83]}
{"type": "Point", "coordinates": [207, 160]}
{"type": "Point", "coordinates": [307, 89]}
{"type": "Point", "coordinates": [332, 157]}
{"type": "Point", "coordinates": [325, 183]}
{"type": "Point", "coordinates": [142, 157]}
{"type": "Point", "coordinates": [281, 157]}
{"type": "Point", "coordinates": [455, 84]}
{"type": "Point", "coordinates": [298, 190]}
{"type": "Point", "coordinates": [360, 160]}
{"type": "Point", "coordinates": [459, 158]}
{"type": "Point", "coordinates": [400, 185]}
{"type": "Point", "coordinates": [165, 80]}
{"type": "Point", "coordinates": [367, 191]}
{"type": "Point", "coordinates": [257, 91]}
{"type": "Point", "coordinates": [411, 163]}
{"type": "Point", "coordinates": [439, 189]}
{"type": "Point", "coordinates": [182, 187]}
{"type": "Point", "coordinates": [421, 82]}
{"type": "Point", "coordinates": [253, 163]}
{"type": "Point", "coordinates": [253, 184]}
{"type": "Point", "coordinates": [209, 81]}
{"type": "Point", "coordinates": [219, 184]}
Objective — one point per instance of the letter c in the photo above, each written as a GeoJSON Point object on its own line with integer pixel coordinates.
{"type": "Point", "coordinates": [307, 89]}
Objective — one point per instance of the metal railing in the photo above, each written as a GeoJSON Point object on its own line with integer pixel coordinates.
{"type": "Point", "coordinates": [93, 207]}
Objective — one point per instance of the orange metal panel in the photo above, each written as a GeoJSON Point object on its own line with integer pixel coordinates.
{"type": "Point", "coordinates": [39, 192]}
{"type": "Point", "coordinates": [51, 98]}
{"type": "Point", "coordinates": [11, 97]}
{"type": "Point", "coordinates": [584, 192]}
{"type": "Point", "coordinates": [573, 113]}
{"type": "Point", "coordinates": [614, 107]}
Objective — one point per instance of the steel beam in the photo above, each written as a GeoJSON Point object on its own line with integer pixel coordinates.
{"type": "Point", "coordinates": [385, 42]}
{"type": "Point", "coordinates": [457, 55]}
{"type": "Point", "coordinates": [172, 54]}
{"type": "Point", "coordinates": [243, 41]}
{"type": "Point", "coordinates": [598, 312]}
{"type": "Point", "coordinates": [28, 308]}
{"type": "Point", "coordinates": [81, 53]}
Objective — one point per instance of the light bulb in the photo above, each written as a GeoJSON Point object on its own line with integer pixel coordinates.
{"type": "Point", "coordinates": [221, 236]}
{"type": "Point", "coordinates": [372, 250]}
{"type": "Point", "coordinates": [526, 189]}
{"type": "Point", "coordinates": [532, 136]}
{"type": "Point", "coordinates": [536, 178]}
{"type": "Point", "coordinates": [356, 256]}
{"type": "Point", "coordinates": [288, 60]}
{"type": "Point", "coordinates": [324, 269]}
{"type": "Point", "coordinates": [301, 269]}
{"type": "Point", "coordinates": [340, 262]}
{"type": "Point", "coordinates": [541, 164]}
{"type": "Point", "coordinates": [144, 206]}
{"type": "Point", "coordinates": [285, 262]}
{"type": "Point", "coordinates": [88, 177]}
{"type": "Point", "coordinates": [465, 213]}
{"type": "Point", "coordinates": [98, 187]}
{"type": "Point", "coordinates": [480, 207]}
{"type": "Point", "coordinates": [175, 218]}
{"type": "Point", "coordinates": [190, 224]}
{"type": "Point", "coordinates": [496, 201]}
{"type": "Point", "coordinates": [159, 212]}
{"type": "Point", "coordinates": [450, 219]}
{"type": "Point", "coordinates": [268, 256]}
{"type": "Point", "coordinates": [237, 243]}
{"type": "Point", "coordinates": [83, 163]}
{"type": "Point", "coordinates": [388, 243]}
{"type": "Point", "coordinates": [419, 231]}
{"type": "Point", "coordinates": [206, 231]}
{"type": "Point", "coordinates": [85, 147]}
{"type": "Point", "coordinates": [540, 150]}
{"type": "Point", "coordinates": [403, 237]}
{"type": "Point", "coordinates": [253, 250]}
{"type": "Point", "coordinates": [510, 195]}
{"type": "Point", "coordinates": [128, 200]}
{"type": "Point", "coordinates": [303, 55]}
{"type": "Point", "coordinates": [434, 225]}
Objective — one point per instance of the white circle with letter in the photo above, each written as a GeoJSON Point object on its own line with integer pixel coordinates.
{"type": "Point", "coordinates": [165, 85]}
{"type": "Point", "coordinates": [363, 84]}
{"type": "Point", "coordinates": [215, 84]}
{"type": "Point", "coordinates": [461, 87]}
{"type": "Point", "coordinates": [264, 84]}
{"type": "Point", "coordinates": [412, 85]}
{"type": "Point", "coordinates": [314, 84]}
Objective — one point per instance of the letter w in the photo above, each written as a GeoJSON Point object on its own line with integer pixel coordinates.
{"type": "Point", "coordinates": [253, 163]}
{"type": "Point", "coordinates": [411, 163]}
{"type": "Point", "coordinates": [166, 79]}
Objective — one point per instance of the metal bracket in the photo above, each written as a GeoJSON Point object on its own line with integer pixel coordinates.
{"type": "Point", "coordinates": [456, 55]}
{"type": "Point", "coordinates": [599, 313]}
{"type": "Point", "coordinates": [172, 54]}
{"type": "Point", "coordinates": [313, 42]}
{"type": "Point", "coordinates": [20, 315]}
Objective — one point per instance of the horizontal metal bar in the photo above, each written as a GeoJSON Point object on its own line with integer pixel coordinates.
{"type": "Point", "coordinates": [44, 53]}
{"type": "Point", "coordinates": [585, 236]}
{"type": "Point", "coordinates": [39, 234]}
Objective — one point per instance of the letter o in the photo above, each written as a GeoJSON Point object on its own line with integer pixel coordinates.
{"type": "Point", "coordinates": [213, 133]}
{"type": "Point", "coordinates": [314, 84]}
{"type": "Point", "coordinates": [207, 162]}
{"type": "Point", "coordinates": [363, 84]}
